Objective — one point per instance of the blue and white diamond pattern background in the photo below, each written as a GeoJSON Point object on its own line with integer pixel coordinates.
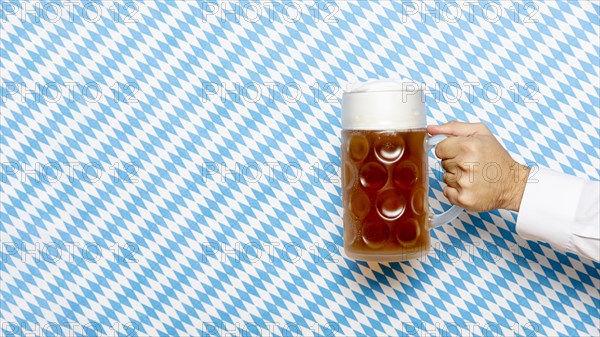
{"type": "Point", "coordinates": [172, 167]}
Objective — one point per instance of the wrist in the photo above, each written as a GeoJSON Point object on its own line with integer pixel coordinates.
{"type": "Point", "coordinates": [517, 187]}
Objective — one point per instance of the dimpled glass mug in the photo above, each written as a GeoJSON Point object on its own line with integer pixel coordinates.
{"type": "Point", "coordinates": [384, 156]}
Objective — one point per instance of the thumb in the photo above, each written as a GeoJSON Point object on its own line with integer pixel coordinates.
{"type": "Point", "coordinates": [454, 128]}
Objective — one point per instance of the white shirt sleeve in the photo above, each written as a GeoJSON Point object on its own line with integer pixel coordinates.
{"type": "Point", "coordinates": [562, 210]}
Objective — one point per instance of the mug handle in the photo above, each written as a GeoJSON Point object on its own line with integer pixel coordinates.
{"type": "Point", "coordinates": [454, 211]}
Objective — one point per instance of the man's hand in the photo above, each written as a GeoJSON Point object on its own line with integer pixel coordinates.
{"type": "Point", "coordinates": [480, 174]}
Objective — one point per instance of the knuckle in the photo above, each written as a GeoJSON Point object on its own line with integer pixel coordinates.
{"type": "Point", "coordinates": [466, 146]}
{"type": "Point", "coordinates": [466, 200]}
{"type": "Point", "coordinates": [448, 195]}
{"type": "Point", "coordinates": [483, 128]}
{"type": "Point", "coordinates": [439, 150]}
{"type": "Point", "coordinates": [450, 167]}
{"type": "Point", "coordinates": [465, 182]}
{"type": "Point", "coordinates": [455, 169]}
{"type": "Point", "coordinates": [447, 179]}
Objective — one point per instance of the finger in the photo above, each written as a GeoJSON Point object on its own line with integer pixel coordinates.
{"type": "Point", "coordinates": [451, 194]}
{"type": "Point", "coordinates": [433, 129]}
{"type": "Point", "coordinates": [448, 148]}
{"type": "Point", "coordinates": [450, 166]}
{"type": "Point", "coordinates": [450, 180]}
{"type": "Point", "coordinates": [454, 128]}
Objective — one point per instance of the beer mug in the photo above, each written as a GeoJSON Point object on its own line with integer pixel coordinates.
{"type": "Point", "coordinates": [384, 162]}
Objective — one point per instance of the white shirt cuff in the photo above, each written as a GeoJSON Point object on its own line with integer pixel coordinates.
{"type": "Point", "coordinates": [549, 208]}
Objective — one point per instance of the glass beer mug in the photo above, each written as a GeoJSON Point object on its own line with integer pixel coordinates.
{"type": "Point", "coordinates": [384, 172]}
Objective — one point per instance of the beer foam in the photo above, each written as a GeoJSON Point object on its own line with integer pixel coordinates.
{"type": "Point", "coordinates": [386, 104]}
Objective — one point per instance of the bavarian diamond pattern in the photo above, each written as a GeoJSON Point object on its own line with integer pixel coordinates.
{"type": "Point", "coordinates": [171, 168]}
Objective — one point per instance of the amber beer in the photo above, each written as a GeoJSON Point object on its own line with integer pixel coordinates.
{"type": "Point", "coordinates": [384, 173]}
{"type": "Point", "coordinates": [385, 186]}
